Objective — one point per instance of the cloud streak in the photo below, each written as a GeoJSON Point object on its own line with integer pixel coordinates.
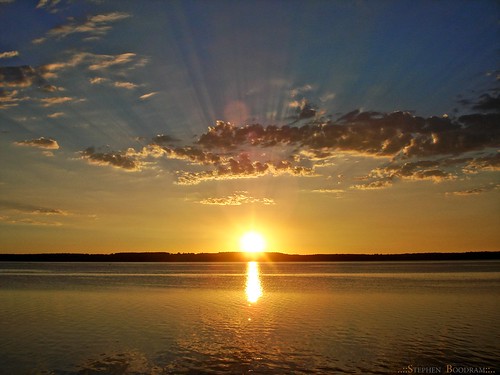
{"type": "Point", "coordinates": [237, 199]}
{"type": "Point", "coordinates": [93, 27]}
{"type": "Point", "coordinates": [28, 214]}
{"type": "Point", "coordinates": [45, 143]}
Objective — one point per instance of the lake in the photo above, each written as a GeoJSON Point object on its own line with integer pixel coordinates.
{"type": "Point", "coordinates": [250, 318]}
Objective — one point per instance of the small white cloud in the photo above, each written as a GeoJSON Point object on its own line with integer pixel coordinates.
{"type": "Point", "coordinates": [8, 54]}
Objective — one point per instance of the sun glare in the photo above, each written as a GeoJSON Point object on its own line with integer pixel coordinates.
{"type": "Point", "coordinates": [252, 242]}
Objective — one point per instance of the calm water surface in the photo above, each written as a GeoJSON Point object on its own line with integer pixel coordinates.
{"type": "Point", "coordinates": [249, 318]}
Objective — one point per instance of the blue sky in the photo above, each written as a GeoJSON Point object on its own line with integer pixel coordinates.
{"type": "Point", "coordinates": [332, 126]}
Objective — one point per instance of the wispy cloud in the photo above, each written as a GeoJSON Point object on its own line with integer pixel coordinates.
{"type": "Point", "coordinates": [94, 26]}
{"type": "Point", "coordinates": [148, 95]}
{"type": "Point", "coordinates": [12, 212]}
{"type": "Point", "coordinates": [56, 115]}
{"type": "Point", "coordinates": [374, 185]}
{"type": "Point", "coordinates": [48, 4]}
{"type": "Point", "coordinates": [9, 98]}
{"type": "Point", "coordinates": [475, 191]}
{"type": "Point", "coordinates": [328, 191]}
{"type": "Point", "coordinates": [94, 62]}
{"type": "Point", "coordinates": [119, 84]}
{"type": "Point", "coordinates": [105, 61]}
{"type": "Point", "coordinates": [28, 221]}
{"type": "Point", "coordinates": [125, 85]}
{"type": "Point", "coordinates": [237, 199]}
{"type": "Point", "coordinates": [48, 102]}
{"type": "Point", "coordinates": [98, 80]}
{"type": "Point", "coordinates": [487, 163]}
{"type": "Point", "coordinates": [45, 143]}
{"type": "Point", "coordinates": [30, 208]}
{"type": "Point", "coordinates": [8, 54]}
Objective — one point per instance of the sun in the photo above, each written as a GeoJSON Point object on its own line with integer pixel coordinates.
{"type": "Point", "coordinates": [252, 242]}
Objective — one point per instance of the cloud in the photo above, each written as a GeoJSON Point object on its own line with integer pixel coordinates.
{"type": "Point", "coordinates": [98, 80]}
{"type": "Point", "coordinates": [418, 170]}
{"type": "Point", "coordinates": [469, 192]}
{"type": "Point", "coordinates": [229, 166]}
{"type": "Point", "coordinates": [303, 109]}
{"type": "Point", "coordinates": [147, 96]}
{"type": "Point", "coordinates": [475, 191]}
{"type": "Point", "coordinates": [28, 214]}
{"type": "Point", "coordinates": [48, 4]}
{"type": "Point", "coordinates": [125, 85]}
{"type": "Point", "coordinates": [410, 147]}
{"type": "Point", "coordinates": [48, 102]}
{"type": "Point", "coordinates": [94, 26]}
{"type": "Point", "coordinates": [299, 91]}
{"type": "Point", "coordinates": [29, 208]}
{"type": "Point", "coordinates": [488, 103]}
{"type": "Point", "coordinates": [327, 97]}
{"type": "Point", "coordinates": [56, 115]}
{"type": "Point", "coordinates": [488, 163]}
{"type": "Point", "coordinates": [8, 54]}
{"type": "Point", "coordinates": [29, 221]}
{"type": "Point", "coordinates": [15, 79]}
{"type": "Point", "coordinates": [93, 62]}
{"type": "Point", "coordinates": [105, 61]}
{"type": "Point", "coordinates": [235, 169]}
{"type": "Point", "coordinates": [45, 143]}
{"type": "Point", "coordinates": [192, 154]}
{"type": "Point", "coordinates": [114, 159]}
{"type": "Point", "coordinates": [20, 76]}
{"type": "Point", "coordinates": [397, 134]}
{"type": "Point", "coordinates": [162, 139]}
{"type": "Point", "coordinates": [119, 84]}
{"type": "Point", "coordinates": [328, 191]}
{"type": "Point", "coordinates": [374, 185]}
{"type": "Point", "coordinates": [237, 199]}
{"type": "Point", "coordinates": [9, 98]}
{"type": "Point", "coordinates": [436, 170]}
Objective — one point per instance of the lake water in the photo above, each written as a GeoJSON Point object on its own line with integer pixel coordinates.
{"type": "Point", "coordinates": [249, 318]}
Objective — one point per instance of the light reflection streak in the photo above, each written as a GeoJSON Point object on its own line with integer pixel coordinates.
{"type": "Point", "coordinates": [253, 288]}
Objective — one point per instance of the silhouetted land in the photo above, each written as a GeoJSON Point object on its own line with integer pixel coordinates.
{"type": "Point", "coordinates": [243, 257]}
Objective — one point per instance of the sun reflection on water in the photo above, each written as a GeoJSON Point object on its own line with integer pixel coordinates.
{"type": "Point", "coordinates": [253, 288]}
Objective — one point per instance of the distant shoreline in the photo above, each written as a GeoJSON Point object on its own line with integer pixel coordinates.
{"type": "Point", "coordinates": [244, 257]}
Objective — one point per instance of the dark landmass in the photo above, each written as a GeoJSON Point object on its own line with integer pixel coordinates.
{"type": "Point", "coordinates": [244, 257]}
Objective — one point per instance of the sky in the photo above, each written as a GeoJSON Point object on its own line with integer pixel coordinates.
{"type": "Point", "coordinates": [177, 126]}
